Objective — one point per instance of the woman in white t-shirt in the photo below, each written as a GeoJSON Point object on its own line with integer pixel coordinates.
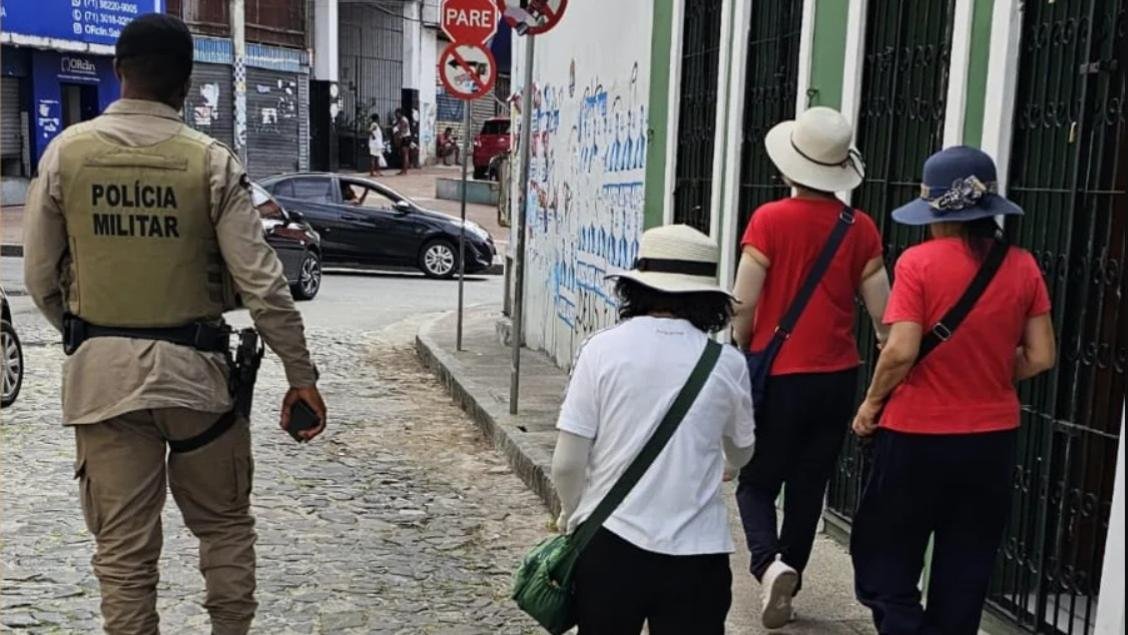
{"type": "Point", "coordinates": [376, 147]}
{"type": "Point", "coordinates": [662, 556]}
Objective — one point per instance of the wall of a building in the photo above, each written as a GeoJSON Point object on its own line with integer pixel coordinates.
{"type": "Point", "coordinates": [588, 170]}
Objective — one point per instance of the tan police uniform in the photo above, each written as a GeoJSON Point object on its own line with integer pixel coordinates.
{"type": "Point", "coordinates": [136, 220]}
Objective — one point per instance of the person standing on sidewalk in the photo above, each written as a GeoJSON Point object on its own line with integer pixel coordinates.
{"type": "Point", "coordinates": [138, 232]}
{"type": "Point", "coordinates": [799, 436]}
{"type": "Point", "coordinates": [376, 147]}
{"type": "Point", "coordinates": [944, 446]}
{"type": "Point", "coordinates": [662, 557]}
{"type": "Point", "coordinates": [401, 138]}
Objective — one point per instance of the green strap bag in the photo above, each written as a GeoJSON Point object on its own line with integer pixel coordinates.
{"type": "Point", "coordinates": [543, 583]}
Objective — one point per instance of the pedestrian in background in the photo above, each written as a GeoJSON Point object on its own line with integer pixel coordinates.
{"type": "Point", "coordinates": [401, 138]}
{"type": "Point", "coordinates": [376, 147]}
{"type": "Point", "coordinates": [448, 147]}
{"type": "Point", "coordinates": [945, 442]}
{"type": "Point", "coordinates": [662, 556]}
{"type": "Point", "coordinates": [799, 436]}
{"type": "Point", "coordinates": [138, 233]}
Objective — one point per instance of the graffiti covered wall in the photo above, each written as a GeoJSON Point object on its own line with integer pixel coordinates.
{"type": "Point", "coordinates": [587, 170]}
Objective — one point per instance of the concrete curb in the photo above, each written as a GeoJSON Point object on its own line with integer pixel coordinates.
{"type": "Point", "coordinates": [493, 419]}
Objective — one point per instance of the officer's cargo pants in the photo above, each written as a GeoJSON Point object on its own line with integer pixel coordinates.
{"type": "Point", "coordinates": [122, 465]}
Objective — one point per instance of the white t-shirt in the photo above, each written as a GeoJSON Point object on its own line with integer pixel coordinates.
{"type": "Point", "coordinates": [623, 382]}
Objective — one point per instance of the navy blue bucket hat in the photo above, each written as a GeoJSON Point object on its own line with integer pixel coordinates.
{"type": "Point", "coordinates": [960, 185]}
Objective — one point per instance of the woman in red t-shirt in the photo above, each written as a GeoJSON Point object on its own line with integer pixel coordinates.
{"type": "Point", "coordinates": [802, 422]}
{"type": "Point", "coordinates": [944, 444]}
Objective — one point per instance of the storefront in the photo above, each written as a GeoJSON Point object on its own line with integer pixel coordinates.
{"type": "Point", "coordinates": [57, 71]}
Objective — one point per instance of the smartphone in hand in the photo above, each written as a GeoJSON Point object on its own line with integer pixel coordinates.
{"type": "Point", "coordinates": [302, 417]}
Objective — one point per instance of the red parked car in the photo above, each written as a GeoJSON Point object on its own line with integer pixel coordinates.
{"type": "Point", "coordinates": [492, 141]}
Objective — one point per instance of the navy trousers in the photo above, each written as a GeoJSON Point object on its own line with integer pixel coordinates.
{"type": "Point", "coordinates": [799, 433]}
{"type": "Point", "coordinates": [956, 487]}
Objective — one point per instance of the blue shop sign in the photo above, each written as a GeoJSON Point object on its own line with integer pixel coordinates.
{"type": "Point", "coordinates": [89, 21]}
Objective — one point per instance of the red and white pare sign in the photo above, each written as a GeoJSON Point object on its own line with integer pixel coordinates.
{"type": "Point", "coordinates": [470, 21]}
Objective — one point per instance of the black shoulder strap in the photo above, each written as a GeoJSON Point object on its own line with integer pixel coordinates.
{"type": "Point", "coordinates": [810, 283]}
{"type": "Point", "coordinates": [815, 276]}
{"type": "Point", "coordinates": [653, 447]}
{"type": "Point", "coordinates": [942, 331]}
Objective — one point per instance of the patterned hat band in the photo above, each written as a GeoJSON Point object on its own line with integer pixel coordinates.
{"type": "Point", "coordinates": [962, 194]}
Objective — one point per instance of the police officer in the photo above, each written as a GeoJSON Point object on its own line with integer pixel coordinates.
{"type": "Point", "coordinates": [138, 233]}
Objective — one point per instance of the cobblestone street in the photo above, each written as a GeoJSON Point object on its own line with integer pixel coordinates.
{"type": "Point", "coordinates": [400, 519]}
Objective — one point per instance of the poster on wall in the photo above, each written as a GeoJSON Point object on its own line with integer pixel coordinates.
{"type": "Point", "coordinates": [89, 21]}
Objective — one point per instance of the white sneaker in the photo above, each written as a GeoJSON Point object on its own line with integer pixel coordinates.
{"type": "Point", "coordinates": [778, 586]}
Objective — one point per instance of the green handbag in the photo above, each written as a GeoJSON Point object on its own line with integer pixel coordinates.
{"type": "Point", "coordinates": [543, 583]}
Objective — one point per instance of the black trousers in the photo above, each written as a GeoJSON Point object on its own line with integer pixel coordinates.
{"type": "Point", "coordinates": [619, 586]}
{"type": "Point", "coordinates": [799, 433]}
{"type": "Point", "coordinates": [957, 487]}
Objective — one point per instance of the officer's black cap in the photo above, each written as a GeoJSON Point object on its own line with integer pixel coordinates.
{"type": "Point", "coordinates": [156, 34]}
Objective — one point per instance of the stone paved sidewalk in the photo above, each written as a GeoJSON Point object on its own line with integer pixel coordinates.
{"type": "Point", "coordinates": [400, 519]}
{"type": "Point", "coordinates": [478, 377]}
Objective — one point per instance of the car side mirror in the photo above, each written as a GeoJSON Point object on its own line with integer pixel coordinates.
{"type": "Point", "coordinates": [296, 217]}
{"type": "Point", "coordinates": [403, 206]}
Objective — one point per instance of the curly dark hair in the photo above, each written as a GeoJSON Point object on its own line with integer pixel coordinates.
{"type": "Point", "coordinates": [709, 311]}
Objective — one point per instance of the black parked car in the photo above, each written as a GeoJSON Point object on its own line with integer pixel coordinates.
{"type": "Point", "coordinates": [363, 222]}
{"type": "Point", "coordinates": [11, 375]}
{"type": "Point", "coordinates": [297, 244]}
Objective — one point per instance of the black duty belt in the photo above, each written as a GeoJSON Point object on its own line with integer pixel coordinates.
{"type": "Point", "coordinates": [200, 336]}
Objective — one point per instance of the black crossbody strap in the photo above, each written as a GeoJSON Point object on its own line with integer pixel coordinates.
{"type": "Point", "coordinates": [815, 276]}
{"type": "Point", "coordinates": [942, 331]}
{"type": "Point", "coordinates": [653, 447]}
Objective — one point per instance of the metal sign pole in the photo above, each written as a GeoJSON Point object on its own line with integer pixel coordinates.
{"type": "Point", "coordinates": [519, 226]}
{"type": "Point", "coordinates": [467, 122]}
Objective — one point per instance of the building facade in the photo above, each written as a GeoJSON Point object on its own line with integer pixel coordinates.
{"type": "Point", "coordinates": [1041, 86]}
{"type": "Point", "coordinates": [57, 70]}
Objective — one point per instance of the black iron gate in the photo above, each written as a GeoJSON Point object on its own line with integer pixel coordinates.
{"type": "Point", "coordinates": [900, 123]}
{"type": "Point", "coordinates": [1068, 171]}
{"type": "Point", "coordinates": [697, 114]}
{"type": "Point", "coordinates": [769, 97]}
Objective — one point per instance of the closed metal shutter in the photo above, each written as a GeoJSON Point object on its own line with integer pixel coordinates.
{"type": "Point", "coordinates": [303, 122]}
{"type": "Point", "coordinates": [210, 105]}
{"type": "Point", "coordinates": [11, 138]}
{"type": "Point", "coordinates": [274, 122]}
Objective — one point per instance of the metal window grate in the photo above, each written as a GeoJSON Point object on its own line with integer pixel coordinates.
{"type": "Point", "coordinates": [1068, 172]}
{"type": "Point", "coordinates": [697, 115]}
{"type": "Point", "coordinates": [901, 122]}
{"type": "Point", "coordinates": [769, 97]}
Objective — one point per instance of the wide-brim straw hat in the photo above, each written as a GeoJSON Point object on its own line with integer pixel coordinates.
{"type": "Point", "coordinates": [814, 150]}
{"type": "Point", "coordinates": [960, 185]}
{"type": "Point", "coordinates": [675, 259]}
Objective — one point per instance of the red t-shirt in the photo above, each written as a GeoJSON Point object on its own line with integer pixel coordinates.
{"type": "Point", "coordinates": [966, 385]}
{"type": "Point", "coordinates": [791, 233]}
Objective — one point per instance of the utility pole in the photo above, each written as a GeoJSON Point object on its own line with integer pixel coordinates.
{"type": "Point", "coordinates": [519, 226]}
{"type": "Point", "coordinates": [238, 17]}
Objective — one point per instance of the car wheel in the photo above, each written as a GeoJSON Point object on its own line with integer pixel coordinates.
{"type": "Point", "coordinates": [11, 375]}
{"type": "Point", "coordinates": [309, 278]}
{"type": "Point", "coordinates": [439, 259]}
{"type": "Point", "coordinates": [480, 173]}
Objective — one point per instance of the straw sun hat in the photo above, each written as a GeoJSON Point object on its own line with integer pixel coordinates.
{"type": "Point", "coordinates": [814, 150]}
{"type": "Point", "coordinates": [675, 259]}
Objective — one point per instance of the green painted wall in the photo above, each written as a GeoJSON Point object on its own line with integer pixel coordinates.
{"type": "Point", "coordinates": [977, 71]}
{"type": "Point", "coordinates": [660, 44]}
{"type": "Point", "coordinates": [828, 52]}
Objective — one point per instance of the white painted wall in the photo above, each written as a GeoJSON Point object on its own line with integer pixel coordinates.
{"type": "Point", "coordinates": [592, 86]}
{"type": "Point", "coordinates": [428, 76]}
{"type": "Point", "coordinates": [1110, 609]}
{"type": "Point", "coordinates": [325, 55]}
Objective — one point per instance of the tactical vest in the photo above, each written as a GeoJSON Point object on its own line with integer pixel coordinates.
{"type": "Point", "coordinates": [143, 249]}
